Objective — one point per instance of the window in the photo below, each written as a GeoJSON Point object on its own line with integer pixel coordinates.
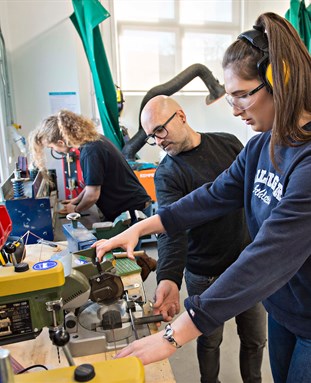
{"type": "Point", "coordinates": [157, 39]}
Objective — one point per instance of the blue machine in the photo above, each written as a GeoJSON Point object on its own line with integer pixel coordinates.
{"type": "Point", "coordinates": [78, 236]}
{"type": "Point", "coordinates": [29, 206]}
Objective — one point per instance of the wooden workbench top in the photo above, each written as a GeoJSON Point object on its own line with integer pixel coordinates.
{"type": "Point", "coordinates": [42, 351]}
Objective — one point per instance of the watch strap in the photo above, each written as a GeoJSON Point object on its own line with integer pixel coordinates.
{"type": "Point", "coordinates": [169, 336]}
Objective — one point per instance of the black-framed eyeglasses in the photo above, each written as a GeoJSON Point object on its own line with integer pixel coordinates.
{"type": "Point", "coordinates": [159, 131]}
{"type": "Point", "coordinates": [245, 100]}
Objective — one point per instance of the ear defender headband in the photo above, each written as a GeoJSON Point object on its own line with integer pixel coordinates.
{"type": "Point", "coordinates": [258, 38]}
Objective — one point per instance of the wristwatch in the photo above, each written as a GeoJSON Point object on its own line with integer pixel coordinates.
{"type": "Point", "coordinates": [169, 336]}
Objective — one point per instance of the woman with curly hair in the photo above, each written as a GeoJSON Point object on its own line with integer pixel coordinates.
{"type": "Point", "coordinates": [109, 181]}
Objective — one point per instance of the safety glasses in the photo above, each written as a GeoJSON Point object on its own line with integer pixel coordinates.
{"type": "Point", "coordinates": [245, 100]}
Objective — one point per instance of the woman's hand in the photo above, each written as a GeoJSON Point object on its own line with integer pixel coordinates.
{"type": "Point", "coordinates": [154, 348]}
{"type": "Point", "coordinates": [127, 240]}
{"type": "Point", "coordinates": [130, 237]}
{"type": "Point", "coordinates": [149, 349]}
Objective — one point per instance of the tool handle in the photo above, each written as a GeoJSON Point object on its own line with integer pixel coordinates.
{"type": "Point", "coordinates": [123, 254]}
{"type": "Point", "coordinates": [98, 265]}
{"type": "Point", "coordinates": [149, 319]}
{"type": "Point", "coordinates": [48, 243]}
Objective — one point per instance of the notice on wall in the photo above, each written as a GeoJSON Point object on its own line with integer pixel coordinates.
{"type": "Point", "coordinates": [64, 100]}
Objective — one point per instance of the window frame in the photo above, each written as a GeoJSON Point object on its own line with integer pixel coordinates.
{"type": "Point", "coordinates": [164, 25]}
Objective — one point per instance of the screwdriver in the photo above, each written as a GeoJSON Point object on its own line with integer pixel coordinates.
{"type": "Point", "coordinates": [44, 242]}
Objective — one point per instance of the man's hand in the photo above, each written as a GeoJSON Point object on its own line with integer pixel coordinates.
{"type": "Point", "coordinates": [166, 300]}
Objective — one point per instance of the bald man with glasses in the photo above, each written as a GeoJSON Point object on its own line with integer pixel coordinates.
{"type": "Point", "coordinates": [205, 252]}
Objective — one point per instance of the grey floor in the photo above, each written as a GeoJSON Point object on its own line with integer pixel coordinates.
{"type": "Point", "coordinates": [184, 362]}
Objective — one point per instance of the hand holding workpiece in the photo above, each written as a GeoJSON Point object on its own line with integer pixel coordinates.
{"type": "Point", "coordinates": [129, 238]}
{"type": "Point", "coordinates": [68, 208]}
{"type": "Point", "coordinates": [65, 201]}
{"type": "Point", "coordinates": [166, 300]}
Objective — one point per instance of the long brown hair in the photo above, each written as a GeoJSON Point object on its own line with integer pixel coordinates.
{"type": "Point", "coordinates": [292, 98]}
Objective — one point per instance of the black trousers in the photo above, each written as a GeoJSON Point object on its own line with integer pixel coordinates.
{"type": "Point", "coordinates": [251, 328]}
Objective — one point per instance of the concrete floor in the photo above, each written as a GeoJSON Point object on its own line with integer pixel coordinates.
{"type": "Point", "coordinates": [184, 362]}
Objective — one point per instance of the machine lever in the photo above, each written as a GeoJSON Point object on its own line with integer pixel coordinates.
{"type": "Point", "coordinates": [58, 334]}
{"type": "Point", "coordinates": [131, 317]}
{"type": "Point", "coordinates": [98, 265]}
{"type": "Point", "coordinates": [149, 319]}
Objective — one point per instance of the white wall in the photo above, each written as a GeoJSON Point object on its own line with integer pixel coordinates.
{"type": "Point", "coordinates": [45, 54]}
{"type": "Point", "coordinates": [253, 8]}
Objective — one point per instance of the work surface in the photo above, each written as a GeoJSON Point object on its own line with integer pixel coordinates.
{"type": "Point", "coordinates": [42, 351]}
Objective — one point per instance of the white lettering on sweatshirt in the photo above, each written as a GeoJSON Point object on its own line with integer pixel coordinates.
{"type": "Point", "coordinates": [272, 181]}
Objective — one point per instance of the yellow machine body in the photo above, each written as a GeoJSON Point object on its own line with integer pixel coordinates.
{"type": "Point", "coordinates": [12, 283]}
{"type": "Point", "coordinates": [23, 298]}
{"type": "Point", "coordinates": [125, 370]}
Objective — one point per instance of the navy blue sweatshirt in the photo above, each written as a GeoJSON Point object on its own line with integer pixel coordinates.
{"type": "Point", "coordinates": [276, 267]}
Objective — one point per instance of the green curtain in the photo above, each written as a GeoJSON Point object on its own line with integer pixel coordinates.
{"type": "Point", "coordinates": [300, 17]}
{"type": "Point", "coordinates": [87, 16]}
